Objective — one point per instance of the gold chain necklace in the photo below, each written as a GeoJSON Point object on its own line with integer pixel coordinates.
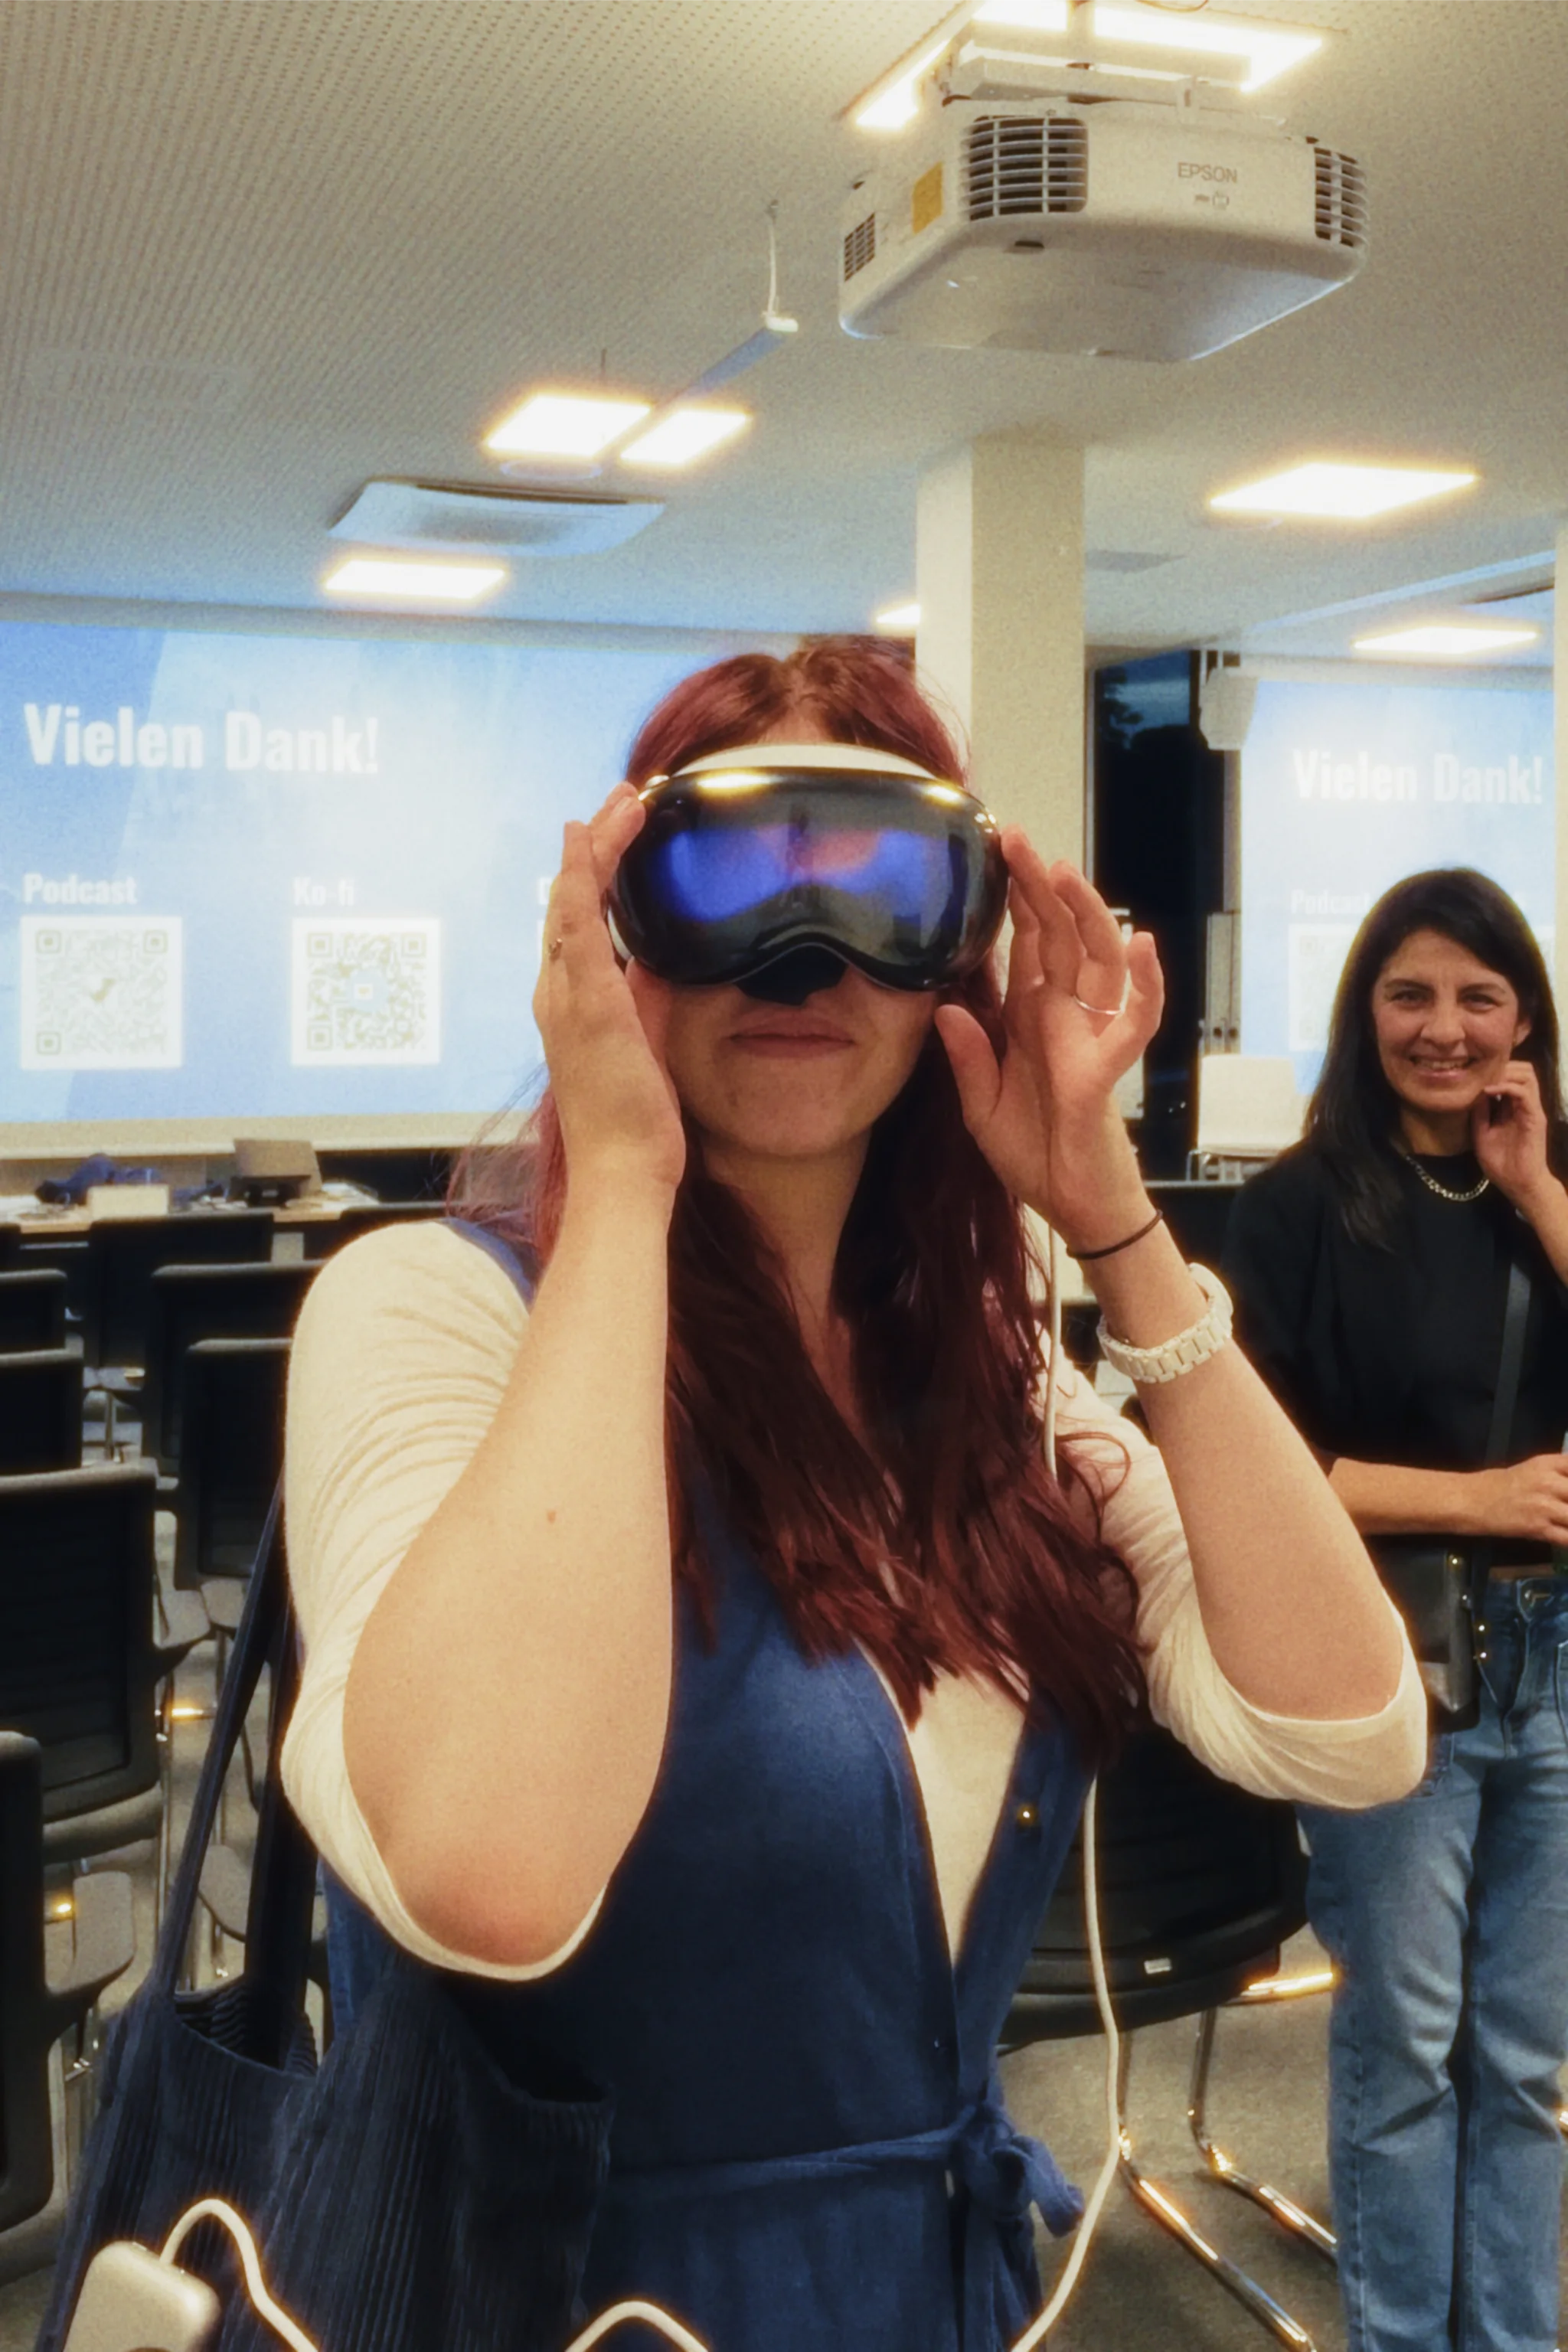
{"type": "Point", "coordinates": [1446, 1192]}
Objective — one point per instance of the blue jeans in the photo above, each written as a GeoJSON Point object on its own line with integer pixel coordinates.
{"type": "Point", "coordinates": [1446, 1916]}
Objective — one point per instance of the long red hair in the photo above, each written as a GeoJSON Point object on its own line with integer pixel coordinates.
{"type": "Point", "coordinates": [951, 1547]}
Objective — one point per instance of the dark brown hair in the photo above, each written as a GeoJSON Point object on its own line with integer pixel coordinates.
{"type": "Point", "coordinates": [950, 1547]}
{"type": "Point", "coordinates": [1352, 1119]}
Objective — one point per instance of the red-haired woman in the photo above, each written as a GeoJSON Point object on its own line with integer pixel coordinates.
{"type": "Point", "coordinates": [702, 1661]}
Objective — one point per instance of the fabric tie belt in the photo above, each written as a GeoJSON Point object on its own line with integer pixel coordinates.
{"type": "Point", "coordinates": [1003, 2174]}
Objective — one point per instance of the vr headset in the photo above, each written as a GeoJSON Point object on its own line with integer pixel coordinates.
{"type": "Point", "coordinates": [772, 866]}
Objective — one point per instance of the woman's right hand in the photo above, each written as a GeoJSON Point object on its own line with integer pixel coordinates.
{"type": "Point", "coordinates": [1527, 1498]}
{"type": "Point", "coordinates": [602, 1026]}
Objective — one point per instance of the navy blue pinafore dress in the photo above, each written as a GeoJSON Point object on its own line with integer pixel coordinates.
{"type": "Point", "coordinates": [809, 2150]}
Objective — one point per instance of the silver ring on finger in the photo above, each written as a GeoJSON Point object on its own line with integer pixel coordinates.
{"type": "Point", "coordinates": [1106, 1012]}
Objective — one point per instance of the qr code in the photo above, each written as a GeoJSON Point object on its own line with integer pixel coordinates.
{"type": "Point", "coordinates": [101, 992]}
{"type": "Point", "coordinates": [1318, 953]}
{"type": "Point", "coordinates": [366, 992]}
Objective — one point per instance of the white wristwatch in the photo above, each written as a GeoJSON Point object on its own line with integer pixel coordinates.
{"type": "Point", "coordinates": [1153, 1366]}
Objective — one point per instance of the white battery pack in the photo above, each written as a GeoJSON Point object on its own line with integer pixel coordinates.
{"type": "Point", "coordinates": [131, 2302]}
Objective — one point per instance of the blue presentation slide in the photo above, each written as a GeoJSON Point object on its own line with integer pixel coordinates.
{"type": "Point", "coordinates": [1345, 789]}
{"type": "Point", "coordinates": [268, 876]}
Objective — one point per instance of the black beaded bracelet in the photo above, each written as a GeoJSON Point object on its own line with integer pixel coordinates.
{"type": "Point", "coordinates": [1086, 1257]}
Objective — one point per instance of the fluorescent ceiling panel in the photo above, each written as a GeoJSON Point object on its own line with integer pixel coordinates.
{"type": "Point", "coordinates": [1343, 493]}
{"type": "Point", "coordinates": [411, 583]}
{"type": "Point", "coordinates": [1269, 51]}
{"type": "Point", "coordinates": [1257, 52]}
{"type": "Point", "coordinates": [565, 425]}
{"type": "Point", "coordinates": [684, 435]}
{"type": "Point", "coordinates": [1448, 640]}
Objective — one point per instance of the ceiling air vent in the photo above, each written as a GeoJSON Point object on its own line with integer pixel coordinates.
{"type": "Point", "coordinates": [1020, 163]}
{"type": "Point", "coordinates": [1342, 198]}
{"type": "Point", "coordinates": [860, 246]}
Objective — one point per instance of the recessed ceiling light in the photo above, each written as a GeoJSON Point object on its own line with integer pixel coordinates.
{"type": "Point", "coordinates": [1344, 493]}
{"type": "Point", "coordinates": [414, 583]}
{"type": "Point", "coordinates": [683, 434]}
{"type": "Point", "coordinates": [898, 620]}
{"type": "Point", "coordinates": [1448, 640]}
{"type": "Point", "coordinates": [894, 103]}
{"type": "Point", "coordinates": [1024, 15]}
{"type": "Point", "coordinates": [1259, 52]}
{"type": "Point", "coordinates": [565, 425]}
{"type": "Point", "coordinates": [1269, 49]}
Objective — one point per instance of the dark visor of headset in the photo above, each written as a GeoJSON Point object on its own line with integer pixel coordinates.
{"type": "Point", "coordinates": [897, 873]}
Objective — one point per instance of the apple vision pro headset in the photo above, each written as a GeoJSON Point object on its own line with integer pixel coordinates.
{"type": "Point", "coordinates": [773, 865]}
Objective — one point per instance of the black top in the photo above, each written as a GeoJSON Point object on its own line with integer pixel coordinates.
{"type": "Point", "coordinates": [1391, 1355]}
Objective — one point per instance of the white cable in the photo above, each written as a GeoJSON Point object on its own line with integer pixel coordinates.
{"type": "Point", "coordinates": [213, 2208]}
{"type": "Point", "coordinates": [1037, 2330]}
{"type": "Point", "coordinates": [650, 2316]}
{"type": "Point", "coordinates": [1035, 2334]}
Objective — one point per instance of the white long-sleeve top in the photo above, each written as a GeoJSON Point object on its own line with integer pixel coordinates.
{"type": "Point", "coordinates": [403, 1353]}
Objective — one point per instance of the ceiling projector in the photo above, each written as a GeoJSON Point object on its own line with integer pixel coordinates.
{"type": "Point", "coordinates": [1111, 228]}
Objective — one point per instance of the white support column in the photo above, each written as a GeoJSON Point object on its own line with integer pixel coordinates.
{"type": "Point", "coordinates": [1560, 746]}
{"type": "Point", "coordinates": [999, 572]}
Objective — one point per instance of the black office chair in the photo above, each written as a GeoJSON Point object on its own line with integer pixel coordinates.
{"type": "Point", "coordinates": [38, 2008]}
{"type": "Point", "coordinates": [10, 1245]}
{"type": "Point", "coordinates": [328, 1234]}
{"type": "Point", "coordinates": [230, 1459]}
{"type": "Point", "coordinates": [80, 1666]}
{"type": "Point", "coordinates": [192, 1302]}
{"type": "Point", "coordinates": [1200, 1885]}
{"type": "Point", "coordinates": [47, 1253]}
{"type": "Point", "coordinates": [32, 1310]}
{"type": "Point", "coordinates": [125, 1253]}
{"type": "Point", "coordinates": [40, 1412]}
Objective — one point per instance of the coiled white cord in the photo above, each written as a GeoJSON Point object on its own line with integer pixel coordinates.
{"type": "Point", "coordinates": [213, 2209]}
{"type": "Point", "coordinates": [1083, 2237]}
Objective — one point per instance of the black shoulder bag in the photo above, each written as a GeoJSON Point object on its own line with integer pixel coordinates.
{"type": "Point", "coordinates": [405, 2194]}
{"type": "Point", "coordinates": [1436, 1581]}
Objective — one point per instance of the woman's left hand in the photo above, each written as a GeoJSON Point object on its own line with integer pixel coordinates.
{"type": "Point", "coordinates": [1512, 1148]}
{"type": "Point", "coordinates": [1081, 1006]}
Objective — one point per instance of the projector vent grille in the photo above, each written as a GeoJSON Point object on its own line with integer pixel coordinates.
{"type": "Point", "coordinates": [1019, 163]}
{"type": "Point", "coordinates": [860, 246]}
{"type": "Point", "coordinates": [1342, 198]}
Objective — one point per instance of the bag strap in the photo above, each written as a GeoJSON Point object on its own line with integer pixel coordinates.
{"type": "Point", "coordinates": [1511, 1360]}
{"type": "Point", "coordinates": [265, 1636]}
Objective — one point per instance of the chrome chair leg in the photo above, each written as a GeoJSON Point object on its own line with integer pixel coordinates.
{"type": "Point", "coordinates": [1228, 2173]}
{"type": "Point", "coordinates": [1159, 2203]}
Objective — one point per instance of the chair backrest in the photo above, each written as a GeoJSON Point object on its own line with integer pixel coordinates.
{"type": "Point", "coordinates": [324, 1234]}
{"type": "Point", "coordinates": [1248, 1104]}
{"type": "Point", "coordinates": [32, 1310]}
{"type": "Point", "coordinates": [191, 1303]}
{"type": "Point", "coordinates": [40, 1411]}
{"type": "Point", "coordinates": [1200, 1884]}
{"type": "Point", "coordinates": [26, 2146]}
{"type": "Point", "coordinates": [124, 1254]}
{"type": "Point", "coordinates": [10, 1243]}
{"type": "Point", "coordinates": [57, 1255]}
{"type": "Point", "coordinates": [1198, 1215]}
{"type": "Point", "coordinates": [231, 1453]}
{"type": "Point", "coordinates": [78, 1668]}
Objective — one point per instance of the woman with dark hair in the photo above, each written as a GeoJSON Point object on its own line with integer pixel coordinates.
{"type": "Point", "coordinates": [703, 1661]}
{"type": "Point", "coordinates": [1371, 1267]}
